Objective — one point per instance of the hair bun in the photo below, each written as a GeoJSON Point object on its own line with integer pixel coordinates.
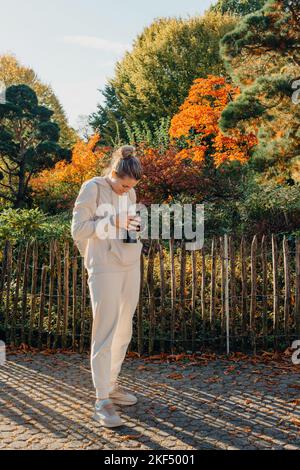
{"type": "Point", "coordinates": [128, 151]}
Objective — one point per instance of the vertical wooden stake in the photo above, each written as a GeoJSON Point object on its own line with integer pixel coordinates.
{"type": "Point", "coordinates": [173, 293]}
{"type": "Point", "coordinates": [213, 288]}
{"type": "Point", "coordinates": [194, 294]}
{"type": "Point", "coordinates": [227, 292]}
{"type": "Point", "coordinates": [287, 286]}
{"type": "Point", "coordinates": [275, 292]}
{"type": "Point", "coordinates": [297, 288]}
{"type": "Point", "coordinates": [253, 292]}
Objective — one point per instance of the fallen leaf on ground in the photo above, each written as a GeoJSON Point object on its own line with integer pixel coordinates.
{"type": "Point", "coordinates": [172, 408]}
{"type": "Point", "coordinates": [296, 402]}
{"type": "Point", "coordinates": [295, 421]}
{"type": "Point", "coordinates": [175, 375]}
{"type": "Point", "coordinates": [130, 436]}
{"type": "Point", "coordinates": [212, 380]}
{"type": "Point", "coordinates": [192, 376]}
{"type": "Point", "coordinates": [143, 368]}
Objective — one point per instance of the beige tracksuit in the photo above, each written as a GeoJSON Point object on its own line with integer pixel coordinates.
{"type": "Point", "coordinates": [113, 279]}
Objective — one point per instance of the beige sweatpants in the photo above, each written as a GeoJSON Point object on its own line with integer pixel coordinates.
{"type": "Point", "coordinates": [114, 298]}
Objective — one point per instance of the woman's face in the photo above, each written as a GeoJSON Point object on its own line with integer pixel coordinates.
{"type": "Point", "coordinates": [121, 185]}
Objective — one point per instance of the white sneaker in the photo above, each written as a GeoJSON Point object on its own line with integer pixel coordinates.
{"type": "Point", "coordinates": [120, 396]}
{"type": "Point", "coordinates": [106, 414]}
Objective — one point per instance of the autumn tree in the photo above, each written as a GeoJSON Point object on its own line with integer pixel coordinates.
{"type": "Point", "coordinates": [263, 58]}
{"type": "Point", "coordinates": [14, 73]}
{"type": "Point", "coordinates": [153, 79]}
{"type": "Point", "coordinates": [219, 159]}
{"type": "Point", "coordinates": [108, 120]}
{"type": "Point", "coordinates": [56, 188]}
{"type": "Point", "coordinates": [28, 143]}
{"type": "Point", "coordinates": [240, 7]}
{"type": "Point", "coordinates": [166, 181]}
{"type": "Point", "coordinates": [196, 126]}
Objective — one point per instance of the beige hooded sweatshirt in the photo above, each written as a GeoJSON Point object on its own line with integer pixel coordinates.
{"type": "Point", "coordinates": [89, 226]}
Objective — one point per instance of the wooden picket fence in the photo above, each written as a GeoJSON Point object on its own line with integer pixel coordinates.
{"type": "Point", "coordinates": [231, 295]}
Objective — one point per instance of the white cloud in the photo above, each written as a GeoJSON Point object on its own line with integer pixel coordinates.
{"type": "Point", "coordinates": [97, 43]}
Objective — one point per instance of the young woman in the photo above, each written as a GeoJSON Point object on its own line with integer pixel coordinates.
{"type": "Point", "coordinates": [113, 268]}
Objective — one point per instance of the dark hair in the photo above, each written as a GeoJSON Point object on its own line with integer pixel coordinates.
{"type": "Point", "coordinates": [125, 162]}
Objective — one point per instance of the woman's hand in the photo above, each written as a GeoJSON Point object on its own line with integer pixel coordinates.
{"type": "Point", "coordinates": [129, 222]}
{"type": "Point", "coordinates": [135, 224]}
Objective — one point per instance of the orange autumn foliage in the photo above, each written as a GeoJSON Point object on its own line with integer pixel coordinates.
{"type": "Point", "coordinates": [87, 161]}
{"type": "Point", "coordinates": [162, 178]}
{"type": "Point", "coordinates": [196, 124]}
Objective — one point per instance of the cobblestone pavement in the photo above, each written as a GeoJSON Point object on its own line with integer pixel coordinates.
{"type": "Point", "coordinates": [46, 402]}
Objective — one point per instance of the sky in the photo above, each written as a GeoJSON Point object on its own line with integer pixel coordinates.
{"type": "Point", "coordinates": [73, 45]}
